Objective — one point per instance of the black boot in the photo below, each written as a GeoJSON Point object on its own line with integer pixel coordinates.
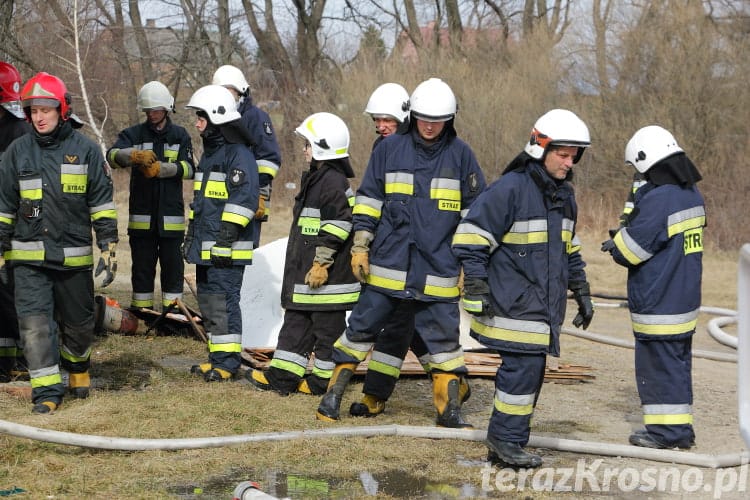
{"type": "Point", "coordinates": [512, 453]}
{"type": "Point", "coordinates": [371, 406]}
{"type": "Point", "coordinates": [446, 397]}
{"type": "Point", "coordinates": [330, 405]}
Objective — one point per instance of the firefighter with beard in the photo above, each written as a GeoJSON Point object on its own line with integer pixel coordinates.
{"type": "Point", "coordinates": [161, 156]}
{"type": "Point", "coordinates": [219, 240]}
{"type": "Point", "coordinates": [416, 188]}
{"type": "Point", "coordinates": [520, 255]}
{"type": "Point", "coordinates": [662, 248]}
{"type": "Point", "coordinates": [13, 125]}
{"type": "Point", "coordinates": [54, 189]}
{"type": "Point", "coordinates": [318, 287]}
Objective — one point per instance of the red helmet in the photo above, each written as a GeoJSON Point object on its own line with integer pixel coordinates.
{"type": "Point", "coordinates": [10, 85]}
{"type": "Point", "coordinates": [44, 89]}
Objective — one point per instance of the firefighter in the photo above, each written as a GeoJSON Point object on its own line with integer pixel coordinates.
{"type": "Point", "coordinates": [520, 255]}
{"type": "Point", "coordinates": [54, 188]}
{"type": "Point", "coordinates": [409, 203]}
{"type": "Point", "coordinates": [161, 156]}
{"type": "Point", "coordinates": [13, 125]}
{"type": "Point", "coordinates": [264, 146]}
{"type": "Point", "coordinates": [318, 287]}
{"type": "Point", "coordinates": [388, 107]}
{"type": "Point", "coordinates": [662, 248]}
{"type": "Point", "coordinates": [219, 240]}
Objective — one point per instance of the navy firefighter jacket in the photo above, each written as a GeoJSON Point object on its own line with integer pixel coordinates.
{"type": "Point", "coordinates": [411, 198]}
{"type": "Point", "coordinates": [225, 190]}
{"type": "Point", "coordinates": [520, 236]}
{"type": "Point", "coordinates": [662, 248]}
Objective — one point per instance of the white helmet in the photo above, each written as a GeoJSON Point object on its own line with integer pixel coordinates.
{"type": "Point", "coordinates": [389, 100]}
{"type": "Point", "coordinates": [217, 102]}
{"type": "Point", "coordinates": [650, 145]}
{"type": "Point", "coordinates": [433, 101]}
{"type": "Point", "coordinates": [155, 95]}
{"type": "Point", "coordinates": [558, 127]}
{"type": "Point", "coordinates": [231, 76]}
{"type": "Point", "coordinates": [327, 134]}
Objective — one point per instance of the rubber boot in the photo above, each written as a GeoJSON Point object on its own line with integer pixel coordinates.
{"type": "Point", "coordinates": [330, 404]}
{"type": "Point", "coordinates": [304, 387]}
{"type": "Point", "coordinates": [217, 375]}
{"type": "Point", "coordinates": [258, 380]}
{"type": "Point", "coordinates": [512, 453]}
{"type": "Point", "coordinates": [45, 407]}
{"type": "Point", "coordinates": [200, 369]}
{"type": "Point", "coordinates": [371, 406]}
{"type": "Point", "coordinates": [464, 390]}
{"type": "Point", "coordinates": [445, 395]}
{"type": "Point", "coordinates": [79, 385]}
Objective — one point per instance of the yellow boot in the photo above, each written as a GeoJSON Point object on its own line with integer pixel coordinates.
{"type": "Point", "coordinates": [330, 405]}
{"type": "Point", "coordinates": [79, 384]}
{"type": "Point", "coordinates": [371, 406]}
{"type": "Point", "coordinates": [447, 400]}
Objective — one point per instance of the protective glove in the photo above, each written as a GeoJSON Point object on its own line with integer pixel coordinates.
{"type": "Point", "coordinates": [361, 255]}
{"type": "Point", "coordinates": [477, 299]}
{"type": "Point", "coordinates": [221, 252]}
{"type": "Point", "coordinates": [151, 170]}
{"type": "Point", "coordinates": [261, 212]}
{"type": "Point", "coordinates": [317, 276]}
{"type": "Point", "coordinates": [608, 246]}
{"type": "Point", "coordinates": [143, 157]}
{"type": "Point", "coordinates": [221, 257]}
{"type": "Point", "coordinates": [107, 263]}
{"type": "Point", "coordinates": [582, 295]}
{"type": "Point", "coordinates": [188, 241]}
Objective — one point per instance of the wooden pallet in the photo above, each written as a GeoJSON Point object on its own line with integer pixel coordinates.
{"type": "Point", "coordinates": [480, 364]}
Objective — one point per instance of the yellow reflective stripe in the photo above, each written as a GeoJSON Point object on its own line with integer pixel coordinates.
{"type": "Point", "coordinates": [389, 283]}
{"type": "Point", "coordinates": [288, 366]}
{"type": "Point", "coordinates": [510, 409]}
{"type": "Point", "coordinates": [628, 254]}
{"type": "Point", "coordinates": [235, 218]}
{"type": "Point", "coordinates": [685, 225]}
{"type": "Point", "coordinates": [399, 188]}
{"type": "Point", "coordinates": [470, 239]}
{"type": "Point", "coordinates": [228, 347]}
{"type": "Point", "coordinates": [677, 419]}
{"type": "Point", "coordinates": [449, 365]}
{"type": "Point", "coordinates": [78, 261]}
{"type": "Point", "coordinates": [675, 329]}
{"type": "Point", "coordinates": [333, 298]}
{"type": "Point", "coordinates": [439, 291]}
{"type": "Point", "coordinates": [525, 238]}
{"type": "Point", "coordinates": [386, 369]}
{"type": "Point", "coordinates": [46, 381]}
{"type": "Point", "coordinates": [350, 350]}
{"type": "Point", "coordinates": [104, 214]}
{"type": "Point", "coordinates": [22, 254]}
{"type": "Point", "coordinates": [445, 194]}
{"type": "Point", "coordinates": [360, 209]}
{"type": "Point", "coordinates": [508, 335]}
{"type": "Point", "coordinates": [31, 194]}
{"type": "Point", "coordinates": [64, 353]}
{"type": "Point", "coordinates": [336, 231]}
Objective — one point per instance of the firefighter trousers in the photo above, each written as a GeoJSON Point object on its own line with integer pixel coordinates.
{"type": "Point", "coordinates": [54, 307]}
{"type": "Point", "coordinates": [664, 380]}
{"type": "Point", "coordinates": [518, 382]}
{"type": "Point", "coordinates": [302, 333]}
{"type": "Point", "coordinates": [219, 301]}
{"type": "Point", "coordinates": [11, 354]}
{"type": "Point", "coordinates": [146, 250]}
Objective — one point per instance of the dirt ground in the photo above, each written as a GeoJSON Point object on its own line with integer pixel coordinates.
{"type": "Point", "coordinates": [603, 410]}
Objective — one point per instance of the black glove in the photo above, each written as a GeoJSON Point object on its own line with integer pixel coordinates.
{"type": "Point", "coordinates": [608, 246]}
{"type": "Point", "coordinates": [188, 241]}
{"type": "Point", "coordinates": [221, 252]}
{"type": "Point", "coordinates": [582, 295]}
{"type": "Point", "coordinates": [477, 299]}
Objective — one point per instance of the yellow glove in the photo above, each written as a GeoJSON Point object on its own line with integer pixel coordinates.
{"type": "Point", "coordinates": [262, 207]}
{"type": "Point", "coordinates": [317, 276]}
{"type": "Point", "coordinates": [361, 265]}
{"type": "Point", "coordinates": [151, 170]}
{"type": "Point", "coordinates": [143, 157]}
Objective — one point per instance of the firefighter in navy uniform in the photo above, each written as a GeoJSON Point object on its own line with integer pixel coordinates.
{"type": "Point", "coordinates": [318, 286]}
{"type": "Point", "coordinates": [409, 203]}
{"type": "Point", "coordinates": [520, 255]}
{"type": "Point", "coordinates": [662, 248]}
{"type": "Point", "coordinates": [161, 156]}
{"type": "Point", "coordinates": [53, 190]}
{"type": "Point", "coordinates": [264, 146]}
{"type": "Point", "coordinates": [388, 107]}
{"type": "Point", "coordinates": [13, 125]}
{"type": "Point", "coordinates": [219, 240]}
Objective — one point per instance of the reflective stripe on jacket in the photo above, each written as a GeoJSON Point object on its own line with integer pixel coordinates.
{"type": "Point", "coordinates": [156, 204]}
{"type": "Point", "coordinates": [520, 235]}
{"type": "Point", "coordinates": [411, 198]}
{"type": "Point", "coordinates": [265, 148]}
{"type": "Point", "coordinates": [322, 217]}
{"type": "Point", "coordinates": [662, 247]}
{"type": "Point", "coordinates": [50, 199]}
{"type": "Point", "coordinates": [225, 189]}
